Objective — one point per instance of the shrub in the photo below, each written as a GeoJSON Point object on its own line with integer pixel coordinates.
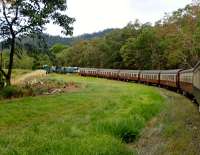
{"type": "Point", "coordinates": [11, 91]}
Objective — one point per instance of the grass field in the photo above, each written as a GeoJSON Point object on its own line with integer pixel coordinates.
{"type": "Point", "coordinates": [100, 118]}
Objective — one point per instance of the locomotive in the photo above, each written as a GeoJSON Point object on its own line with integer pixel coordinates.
{"type": "Point", "coordinates": [62, 70]}
{"type": "Point", "coordinates": [185, 81]}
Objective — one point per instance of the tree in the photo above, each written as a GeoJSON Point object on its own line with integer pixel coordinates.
{"type": "Point", "coordinates": [57, 54]}
{"type": "Point", "coordinates": [57, 48]}
{"type": "Point", "coordinates": [19, 18]}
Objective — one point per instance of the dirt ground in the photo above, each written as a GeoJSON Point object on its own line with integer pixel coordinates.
{"type": "Point", "coordinates": [176, 131]}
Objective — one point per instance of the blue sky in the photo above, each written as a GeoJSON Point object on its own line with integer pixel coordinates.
{"type": "Point", "coordinates": [95, 15]}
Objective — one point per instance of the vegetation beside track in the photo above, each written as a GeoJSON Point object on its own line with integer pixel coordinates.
{"type": "Point", "coordinates": [101, 118]}
{"type": "Point", "coordinates": [176, 130]}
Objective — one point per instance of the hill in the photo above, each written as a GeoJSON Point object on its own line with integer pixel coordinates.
{"type": "Point", "coordinates": [51, 40]}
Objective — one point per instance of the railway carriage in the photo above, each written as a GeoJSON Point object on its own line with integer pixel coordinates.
{"type": "Point", "coordinates": [82, 72]}
{"type": "Point", "coordinates": [88, 71]}
{"type": "Point", "coordinates": [109, 73]}
{"type": "Point", "coordinates": [170, 78]}
{"type": "Point", "coordinates": [129, 75]}
{"type": "Point", "coordinates": [196, 82]}
{"type": "Point", "coordinates": [186, 80]}
{"type": "Point", "coordinates": [150, 76]}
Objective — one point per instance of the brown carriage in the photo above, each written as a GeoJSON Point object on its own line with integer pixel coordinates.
{"type": "Point", "coordinates": [186, 80]}
{"type": "Point", "coordinates": [170, 78]}
{"type": "Point", "coordinates": [150, 76]}
{"type": "Point", "coordinates": [129, 75]}
{"type": "Point", "coordinates": [196, 82]}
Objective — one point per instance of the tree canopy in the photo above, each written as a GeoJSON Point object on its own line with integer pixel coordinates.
{"type": "Point", "coordinates": [19, 18]}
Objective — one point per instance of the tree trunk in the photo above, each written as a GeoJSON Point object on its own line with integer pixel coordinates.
{"type": "Point", "coordinates": [12, 50]}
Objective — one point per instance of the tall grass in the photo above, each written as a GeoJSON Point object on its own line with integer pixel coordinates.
{"type": "Point", "coordinates": [127, 129]}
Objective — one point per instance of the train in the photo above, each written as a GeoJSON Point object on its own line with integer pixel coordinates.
{"type": "Point", "coordinates": [62, 70]}
{"type": "Point", "coordinates": [184, 81]}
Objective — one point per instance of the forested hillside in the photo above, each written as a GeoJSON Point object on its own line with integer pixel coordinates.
{"type": "Point", "coordinates": [51, 40]}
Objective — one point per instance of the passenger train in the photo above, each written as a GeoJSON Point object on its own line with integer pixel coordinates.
{"type": "Point", "coordinates": [185, 81]}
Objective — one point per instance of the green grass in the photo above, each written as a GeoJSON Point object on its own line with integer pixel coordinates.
{"type": "Point", "coordinates": [99, 119]}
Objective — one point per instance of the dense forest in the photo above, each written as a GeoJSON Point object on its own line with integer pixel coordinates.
{"type": "Point", "coordinates": [172, 42]}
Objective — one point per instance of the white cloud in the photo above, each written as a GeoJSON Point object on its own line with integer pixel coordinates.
{"type": "Point", "coordinates": [96, 15]}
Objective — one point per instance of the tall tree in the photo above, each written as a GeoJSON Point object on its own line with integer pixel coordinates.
{"type": "Point", "coordinates": [24, 17]}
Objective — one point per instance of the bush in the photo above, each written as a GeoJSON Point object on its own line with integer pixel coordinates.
{"type": "Point", "coordinates": [11, 91]}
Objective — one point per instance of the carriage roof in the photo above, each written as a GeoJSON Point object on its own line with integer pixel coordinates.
{"type": "Point", "coordinates": [150, 71]}
{"type": "Point", "coordinates": [108, 70]}
{"type": "Point", "coordinates": [173, 71]}
{"type": "Point", "coordinates": [187, 71]}
{"type": "Point", "coordinates": [130, 71]}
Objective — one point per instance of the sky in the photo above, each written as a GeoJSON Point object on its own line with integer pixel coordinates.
{"type": "Point", "coordinates": [97, 15]}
